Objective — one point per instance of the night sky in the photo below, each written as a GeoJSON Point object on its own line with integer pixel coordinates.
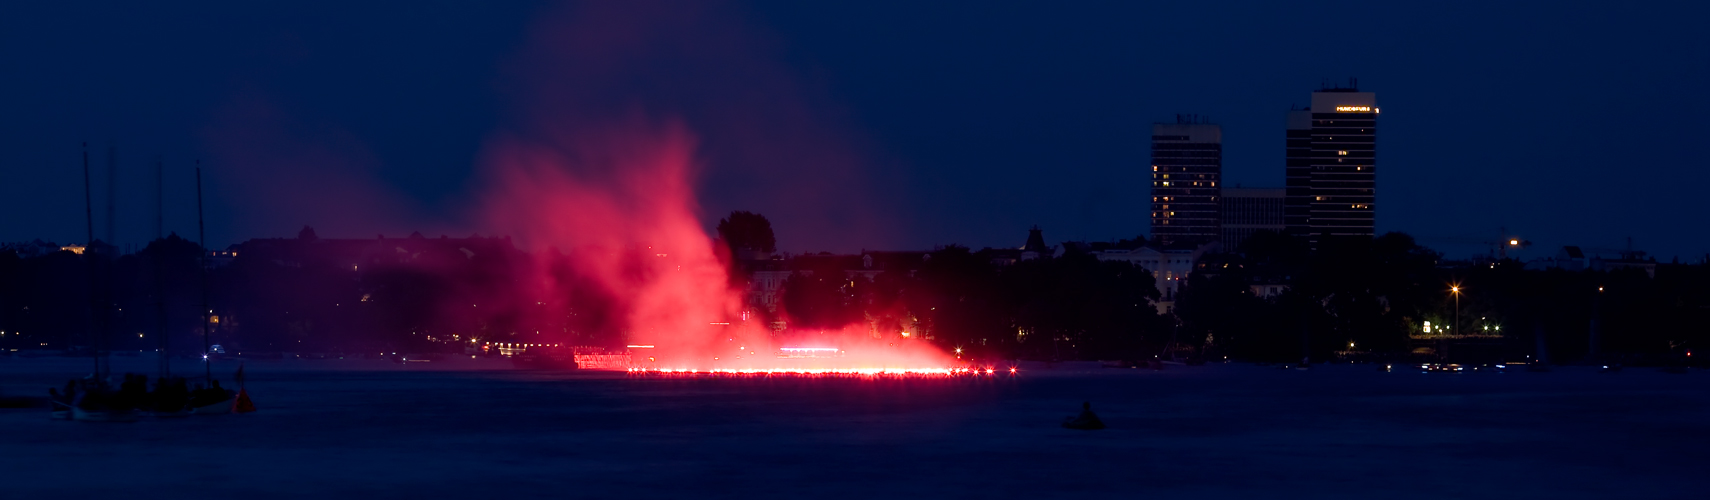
{"type": "Point", "coordinates": [894, 125]}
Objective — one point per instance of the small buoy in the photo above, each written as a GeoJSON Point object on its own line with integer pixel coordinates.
{"type": "Point", "coordinates": [242, 404]}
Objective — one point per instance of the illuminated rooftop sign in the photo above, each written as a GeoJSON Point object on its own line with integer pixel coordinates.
{"type": "Point", "coordinates": [1353, 109]}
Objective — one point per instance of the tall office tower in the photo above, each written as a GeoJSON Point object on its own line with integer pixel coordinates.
{"type": "Point", "coordinates": [1187, 165]}
{"type": "Point", "coordinates": [1344, 164]}
{"type": "Point", "coordinates": [1297, 174]}
{"type": "Point", "coordinates": [1249, 210]}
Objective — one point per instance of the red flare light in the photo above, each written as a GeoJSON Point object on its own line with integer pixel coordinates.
{"type": "Point", "coordinates": [814, 372]}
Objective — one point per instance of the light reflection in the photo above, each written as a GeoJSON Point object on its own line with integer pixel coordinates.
{"type": "Point", "coordinates": [838, 372]}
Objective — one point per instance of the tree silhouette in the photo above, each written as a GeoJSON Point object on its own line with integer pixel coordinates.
{"type": "Point", "coordinates": [747, 231]}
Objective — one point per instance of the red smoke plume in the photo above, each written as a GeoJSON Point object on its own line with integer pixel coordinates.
{"type": "Point", "coordinates": [594, 173]}
{"type": "Point", "coordinates": [621, 204]}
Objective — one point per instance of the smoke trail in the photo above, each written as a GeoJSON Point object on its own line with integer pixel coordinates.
{"type": "Point", "coordinates": [621, 204]}
{"type": "Point", "coordinates": [277, 174]}
{"type": "Point", "coordinates": [595, 171]}
{"type": "Point", "coordinates": [773, 142]}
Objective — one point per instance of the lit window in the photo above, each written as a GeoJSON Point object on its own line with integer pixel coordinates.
{"type": "Point", "coordinates": [1342, 153]}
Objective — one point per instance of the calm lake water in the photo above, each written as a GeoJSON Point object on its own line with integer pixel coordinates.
{"type": "Point", "coordinates": [478, 429]}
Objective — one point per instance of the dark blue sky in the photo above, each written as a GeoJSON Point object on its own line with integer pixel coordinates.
{"type": "Point", "coordinates": [864, 124]}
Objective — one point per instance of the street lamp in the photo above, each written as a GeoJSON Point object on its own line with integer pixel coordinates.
{"type": "Point", "coordinates": [1456, 291]}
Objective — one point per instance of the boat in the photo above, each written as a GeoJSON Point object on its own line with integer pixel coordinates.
{"type": "Point", "coordinates": [81, 415]}
{"type": "Point", "coordinates": [211, 400]}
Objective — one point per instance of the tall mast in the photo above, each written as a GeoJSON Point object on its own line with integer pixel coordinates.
{"type": "Point", "coordinates": [89, 258]}
{"type": "Point", "coordinates": [202, 261]}
{"type": "Point", "coordinates": [160, 267]}
{"type": "Point", "coordinates": [112, 195]}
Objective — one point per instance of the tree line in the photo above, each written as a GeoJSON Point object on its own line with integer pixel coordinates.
{"type": "Point", "coordinates": [1355, 300]}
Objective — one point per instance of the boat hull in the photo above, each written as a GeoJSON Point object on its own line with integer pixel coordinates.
{"type": "Point", "coordinates": [213, 408]}
{"type": "Point", "coordinates": [82, 415]}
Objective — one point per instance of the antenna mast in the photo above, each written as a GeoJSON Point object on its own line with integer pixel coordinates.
{"type": "Point", "coordinates": [160, 268]}
{"type": "Point", "coordinates": [89, 258]}
{"type": "Point", "coordinates": [202, 261]}
{"type": "Point", "coordinates": [112, 194]}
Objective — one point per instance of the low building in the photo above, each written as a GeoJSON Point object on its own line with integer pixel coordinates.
{"type": "Point", "coordinates": [1034, 248]}
{"type": "Point", "coordinates": [1625, 262]}
{"type": "Point", "coordinates": [1169, 265]}
{"type": "Point", "coordinates": [766, 278]}
{"type": "Point", "coordinates": [1575, 258]}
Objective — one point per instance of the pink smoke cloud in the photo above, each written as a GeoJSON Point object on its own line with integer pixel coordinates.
{"type": "Point", "coordinates": [772, 142]}
{"type": "Point", "coordinates": [594, 171]}
{"type": "Point", "coordinates": [277, 174]}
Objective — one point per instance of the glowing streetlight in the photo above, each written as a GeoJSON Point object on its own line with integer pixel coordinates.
{"type": "Point", "coordinates": [1456, 291]}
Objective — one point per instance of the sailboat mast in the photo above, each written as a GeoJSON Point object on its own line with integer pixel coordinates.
{"type": "Point", "coordinates": [160, 267]}
{"type": "Point", "coordinates": [202, 241]}
{"type": "Point", "coordinates": [112, 195]}
{"type": "Point", "coordinates": [89, 257]}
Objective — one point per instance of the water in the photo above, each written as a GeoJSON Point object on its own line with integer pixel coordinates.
{"type": "Point", "coordinates": [476, 429]}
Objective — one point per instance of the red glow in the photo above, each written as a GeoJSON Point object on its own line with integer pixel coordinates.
{"type": "Point", "coordinates": [812, 372]}
{"type": "Point", "coordinates": [614, 203]}
{"type": "Point", "coordinates": [604, 194]}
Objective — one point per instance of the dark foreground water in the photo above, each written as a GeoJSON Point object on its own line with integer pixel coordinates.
{"type": "Point", "coordinates": [367, 429]}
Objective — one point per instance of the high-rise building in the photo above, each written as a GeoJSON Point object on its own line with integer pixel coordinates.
{"type": "Point", "coordinates": [1249, 210]}
{"type": "Point", "coordinates": [1297, 173]}
{"type": "Point", "coordinates": [1344, 164]}
{"type": "Point", "coordinates": [1187, 167]}
{"type": "Point", "coordinates": [1331, 166]}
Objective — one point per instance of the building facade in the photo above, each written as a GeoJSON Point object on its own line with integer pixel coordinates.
{"type": "Point", "coordinates": [1170, 266]}
{"type": "Point", "coordinates": [1344, 165]}
{"type": "Point", "coordinates": [1297, 173]}
{"type": "Point", "coordinates": [1187, 170]}
{"type": "Point", "coordinates": [1330, 166]}
{"type": "Point", "coordinates": [1249, 210]}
